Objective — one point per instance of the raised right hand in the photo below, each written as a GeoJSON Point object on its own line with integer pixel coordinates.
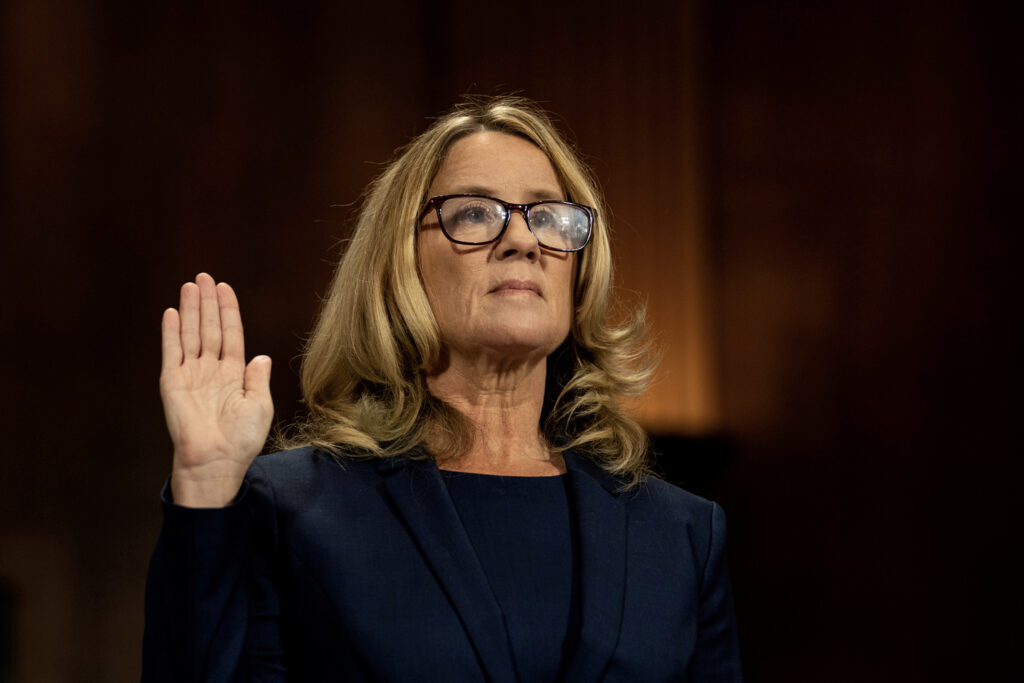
{"type": "Point", "coordinates": [218, 409]}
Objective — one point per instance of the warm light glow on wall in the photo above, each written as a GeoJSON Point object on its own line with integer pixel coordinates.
{"type": "Point", "coordinates": [665, 260]}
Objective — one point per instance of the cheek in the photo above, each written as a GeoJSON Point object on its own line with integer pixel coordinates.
{"type": "Point", "coordinates": [568, 285]}
{"type": "Point", "coordinates": [445, 281]}
{"type": "Point", "coordinates": [430, 262]}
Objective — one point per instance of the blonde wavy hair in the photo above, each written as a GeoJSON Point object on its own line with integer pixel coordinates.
{"type": "Point", "coordinates": [365, 364]}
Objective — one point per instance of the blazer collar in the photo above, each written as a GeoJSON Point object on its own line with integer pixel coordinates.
{"type": "Point", "coordinates": [601, 516]}
{"type": "Point", "coordinates": [421, 498]}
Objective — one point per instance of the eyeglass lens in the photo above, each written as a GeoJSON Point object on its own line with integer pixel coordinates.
{"type": "Point", "coordinates": [478, 220]}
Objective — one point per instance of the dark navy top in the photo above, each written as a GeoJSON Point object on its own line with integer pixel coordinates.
{"type": "Point", "coordinates": [523, 532]}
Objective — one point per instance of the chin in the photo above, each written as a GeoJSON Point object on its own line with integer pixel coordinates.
{"type": "Point", "coordinates": [524, 343]}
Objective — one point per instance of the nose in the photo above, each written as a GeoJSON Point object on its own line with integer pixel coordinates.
{"type": "Point", "coordinates": [518, 238]}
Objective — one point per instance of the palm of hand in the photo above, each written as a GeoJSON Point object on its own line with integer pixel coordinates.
{"type": "Point", "coordinates": [209, 414]}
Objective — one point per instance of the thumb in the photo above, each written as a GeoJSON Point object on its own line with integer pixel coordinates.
{"type": "Point", "coordinates": [257, 378]}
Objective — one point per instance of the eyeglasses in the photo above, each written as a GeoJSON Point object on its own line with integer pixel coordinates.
{"type": "Point", "coordinates": [475, 219]}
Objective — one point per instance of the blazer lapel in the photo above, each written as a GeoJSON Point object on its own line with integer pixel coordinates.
{"type": "Point", "coordinates": [422, 500]}
{"type": "Point", "coordinates": [602, 519]}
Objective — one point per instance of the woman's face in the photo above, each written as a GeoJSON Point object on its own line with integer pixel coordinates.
{"type": "Point", "coordinates": [511, 298]}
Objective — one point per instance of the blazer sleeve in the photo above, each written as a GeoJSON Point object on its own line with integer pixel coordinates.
{"type": "Point", "coordinates": [717, 654]}
{"type": "Point", "coordinates": [212, 609]}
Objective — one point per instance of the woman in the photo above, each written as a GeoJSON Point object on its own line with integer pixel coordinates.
{"type": "Point", "coordinates": [469, 504]}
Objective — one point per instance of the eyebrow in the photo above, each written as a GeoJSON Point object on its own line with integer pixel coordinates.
{"type": "Point", "coordinates": [533, 195]}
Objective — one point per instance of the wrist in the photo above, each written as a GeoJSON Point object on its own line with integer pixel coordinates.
{"type": "Point", "coordinates": [210, 486]}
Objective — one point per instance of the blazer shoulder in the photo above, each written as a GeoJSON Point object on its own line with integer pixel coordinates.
{"type": "Point", "coordinates": [306, 456]}
{"type": "Point", "coordinates": [301, 471]}
{"type": "Point", "coordinates": [651, 498]}
{"type": "Point", "coordinates": [657, 498]}
{"type": "Point", "coordinates": [657, 489]}
{"type": "Point", "coordinates": [311, 458]}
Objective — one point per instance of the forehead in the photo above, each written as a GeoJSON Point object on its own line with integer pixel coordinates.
{"type": "Point", "coordinates": [507, 166]}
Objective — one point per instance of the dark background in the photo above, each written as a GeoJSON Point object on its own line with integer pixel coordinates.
{"type": "Point", "coordinates": [819, 201]}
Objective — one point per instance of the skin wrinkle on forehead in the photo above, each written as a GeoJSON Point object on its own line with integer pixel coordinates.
{"type": "Point", "coordinates": [455, 165]}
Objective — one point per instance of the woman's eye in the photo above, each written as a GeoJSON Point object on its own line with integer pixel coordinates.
{"type": "Point", "coordinates": [474, 214]}
{"type": "Point", "coordinates": [541, 218]}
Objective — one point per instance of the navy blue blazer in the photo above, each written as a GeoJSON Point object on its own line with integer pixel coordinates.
{"type": "Point", "coordinates": [362, 571]}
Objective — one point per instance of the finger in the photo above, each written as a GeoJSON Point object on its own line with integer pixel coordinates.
{"type": "Point", "coordinates": [188, 311]}
{"type": "Point", "coordinates": [170, 337]}
{"type": "Point", "coordinates": [233, 346]}
{"type": "Point", "coordinates": [257, 380]}
{"type": "Point", "coordinates": [209, 316]}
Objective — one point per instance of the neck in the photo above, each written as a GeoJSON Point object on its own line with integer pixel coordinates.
{"type": "Point", "coordinates": [503, 404]}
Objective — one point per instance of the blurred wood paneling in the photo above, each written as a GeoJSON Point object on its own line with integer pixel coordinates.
{"type": "Point", "coordinates": [864, 164]}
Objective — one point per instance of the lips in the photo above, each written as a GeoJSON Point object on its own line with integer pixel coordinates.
{"type": "Point", "coordinates": [517, 286]}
